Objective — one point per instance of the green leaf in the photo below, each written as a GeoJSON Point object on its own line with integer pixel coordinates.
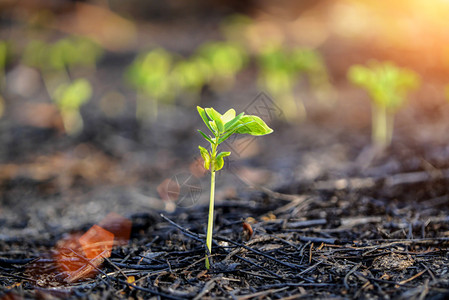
{"type": "Point", "coordinates": [213, 125]}
{"type": "Point", "coordinates": [204, 117]}
{"type": "Point", "coordinates": [219, 162]}
{"type": "Point", "coordinates": [206, 157]}
{"type": "Point", "coordinates": [206, 137]}
{"type": "Point", "coordinates": [228, 116]}
{"type": "Point", "coordinates": [215, 116]}
{"type": "Point", "coordinates": [231, 132]}
{"type": "Point", "coordinates": [71, 96]}
{"type": "Point", "coordinates": [232, 123]}
{"type": "Point", "coordinates": [253, 125]}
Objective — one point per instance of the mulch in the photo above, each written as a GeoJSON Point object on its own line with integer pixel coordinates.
{"type": "Point", "coordinates": [345, 238]}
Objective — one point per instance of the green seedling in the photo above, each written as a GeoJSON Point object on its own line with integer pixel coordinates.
{"type": "Point", "coordinates": [221, 128]}
{"type": "Point", "coordinates": [3, 59]}
{"type": "Point", "coordinates": [190, 75]}
{"type": "Point", "coordinates": [387, 86]}
{"type": "Point", "coordinates": [280, 71]}
{"type": "Point", "coordinates": [277, 75]}
{"type": "Point", "coordinates": [57, 61]}
{"type": "Point", "coordinates": [225, 60]}
{"type": "Point", "coordinates": [69, 98]}
{"type": "Point", "coordinates": [66, 54]}
{"type": "Point", "coordinates": [149, 74]}
{"type": "Point", "coordinates": [310, 63]}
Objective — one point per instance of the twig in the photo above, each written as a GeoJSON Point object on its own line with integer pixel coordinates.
{"type": "Point", "coordinates": [260, 267]}
{"type": "Point", "coordinates": [262, 294]}
{"type": "Point", "coordinates": [207, 288]}
{"type": "Point", "coordinates": [153, 292]}
{"type": "Point", "coordinates": [413, 277]}
{"type": "Point", "coordinates": [293, 266]}
{"type": "Point", "coordinates": [187, 232]}
{"type": "Point", "coordinates": [345, 281]}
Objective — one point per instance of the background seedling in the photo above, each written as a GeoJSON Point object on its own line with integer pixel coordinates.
{"type": "Point", "coordinates": [222, 127]}
{"type": "Point", "coordinates": [3, 59]}
{"type": "Point", "coordinates": [4, 52]}
{"type": "Point", "coordinates": [149, 74]}
{"type": "Point", "coordinates": [60, 60]}
{"type": "Point", "coordinates": [69, 98]}
{"type": "Point", "coordinates": [225, 60]}
{"type": "Point", "coordinates": [190, 75]}
{"type": "Point", "coordinates": [280, 71]}
{"type": "Point", "coordinates": [387, 86]}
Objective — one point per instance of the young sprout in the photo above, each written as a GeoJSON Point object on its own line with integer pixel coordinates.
{"type": "Point", "coordinates": [3, 59]}
{"type": "Point", "coordinates": [69, 98]}
{"type": "Point", "coordinates": [149, 74]}
{"type": "Point", "coordinates": [387, 85]}
{"type": "Point", "coordinates": [190, 75]}
{"type": "Point", "coordinates": [59, 60]}
{"type": "Point", "coordinates": [222, 127]}
{"type": "Point", "coordinates": [225, 59]}
{"type": "Point", "coordinates": [280, 71]}
{"type": "Point", "coordinates": [277, 75]}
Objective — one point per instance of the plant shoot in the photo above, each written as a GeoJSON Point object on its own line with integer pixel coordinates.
{"type": "Point", "coordinates": [387, 85]}
{"type": "Point", "coordinates": [221, 128]}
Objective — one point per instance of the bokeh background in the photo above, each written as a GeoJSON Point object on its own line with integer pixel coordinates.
{"type": "Point", "coordinates": [98, 98]}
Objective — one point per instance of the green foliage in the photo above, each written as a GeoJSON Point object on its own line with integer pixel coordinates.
{"type": "Point", "coordinates": [149, 74]}
{"type": "Point", "coordinates": [280, 71]}
{"type": "Point", "coordinates": [221, 128]}
{"type": "Point", "coordinates": [225, 60]}
{"type": "Point", "coordinates": [73, 95]}
{"type": "Point", "coordinates": [69, 98]}
{"type": "Point", "coordinates": [70, 52]}
{"type": "Point", "coordinates": [4, 53]}
{"type": "Point", "coordinates": [190, 75]}
{"type": "Point", "coordinates": [387, 86]}
{"type": "Point", "coordinates": [160, 76]}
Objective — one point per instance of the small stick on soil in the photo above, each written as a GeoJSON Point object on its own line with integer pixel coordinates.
{"type": "Point", "coordinates": [207, 288]}
{"type": "Point", "coordinates": [261, 294]}
{"type": "Point", "coordinates": [185, 230]}
{"type": "Point", "coordinates": [345, 281]}
{"type": "Point", "coordinates": [293, 266]}
{"type": "Point", "coordinates": [413, 277]}
{"type": "Point", "coordinates": [260, 267]}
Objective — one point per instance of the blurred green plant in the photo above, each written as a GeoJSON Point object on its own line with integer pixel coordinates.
{"type": "Point", "coordinates": [159, 76]}
{"type": "Point", "coordinates": [280, 70]}
{"type": "Point", "coordinates": [225, 60]}
{"type": "Point", "coordinates": [59, 60]}
{"type": "Point", "coordinates": [65, 54]}
{"type": "Point", "coordinates": [69, 98]}
{"type": "Point", "coordinates": [387, 86]}
{"type": "Point", "coordinates": [5, 53]}
{"type": "Point", "coordinates": [3, 56]}
{"type": "Point", "coordinates": [221, 128]}
{"type": "Point", "coordinates": [149, 75]}
{"type": "Point", "coordinates": [191, 75]}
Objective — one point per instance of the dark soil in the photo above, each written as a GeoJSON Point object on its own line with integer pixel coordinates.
{"type": "Point", "coordinates": [331, 216]}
